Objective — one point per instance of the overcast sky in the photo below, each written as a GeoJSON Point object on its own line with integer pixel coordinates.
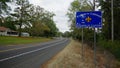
{"type": "Point", "coordinates": [60, 8]}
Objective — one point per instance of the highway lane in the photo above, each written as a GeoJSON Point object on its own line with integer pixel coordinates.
{"type": "Point", "coordinates": [30, 56]}
{"type": "Point", "coordinates": [10, 47]}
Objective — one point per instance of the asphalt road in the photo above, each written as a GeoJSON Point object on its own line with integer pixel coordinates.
{"type": "Point", "coordinates": [30, 55]}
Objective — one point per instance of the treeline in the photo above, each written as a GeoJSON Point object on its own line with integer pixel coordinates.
{"type": "Point", "coordinates": [104, 34]}
{"type": "Point", "coordinates": [26, 17]}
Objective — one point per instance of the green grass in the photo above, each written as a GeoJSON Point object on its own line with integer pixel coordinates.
{"type": "Point", "coordinates": [5, 40]}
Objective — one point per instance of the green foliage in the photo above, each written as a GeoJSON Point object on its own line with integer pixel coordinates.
{"type": "Point", "coordinates": [106, 8]}
{"type": "Point", "coordinates": [9, 23]}
{"type": "Point", "coordinates": [67, 34]}
{"type": "Point", "coordinates": [59, 34]}
{"type": "Point", "coordinates": [21, 13]}
{"type": "Point", "coordinates": [37, 21]}
{"type": "Point", "coordinates": [83, 5]}
{"type": "Point", "coordinates": [3, 6]}
{"type": "Point", "coordinates": [105, 37]}
{"type": "Point", "coordinates": [4, 9]}
{"type": "Point", "coordinates": [113, 47]}
{"type": "Point", "coordinates": [53, 29]}
{"type": "Point", "coordinates": [40, 16]}
{"type": "Point", "coordinates": [39, 29]}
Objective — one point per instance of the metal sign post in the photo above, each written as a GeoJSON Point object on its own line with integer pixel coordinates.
{"type": "Point", "coordinates": [95, 61]}
{"type": "Point", "coordinates": [82, 45]}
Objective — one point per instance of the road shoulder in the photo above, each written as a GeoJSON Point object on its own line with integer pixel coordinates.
{"type": "Point", "coordinates": [70, 57]}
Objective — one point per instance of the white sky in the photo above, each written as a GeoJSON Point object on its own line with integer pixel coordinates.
{"type": "Point", "coordinates": [60, 8]}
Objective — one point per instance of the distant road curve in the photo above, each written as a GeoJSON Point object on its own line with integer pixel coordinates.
{"type": "Point", "coordinates": [30, 55]}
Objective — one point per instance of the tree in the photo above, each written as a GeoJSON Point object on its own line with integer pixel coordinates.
{"type": "Point", "coordinates": [9, 23]}
{"type": "Point", "coordinates": [83, 5]}
{"type": "Point", "coordinates": [3, 9]}
{"type": "Point", "coordinates": [106, 8]}
{"type": "Point", "coordinates": [48, 20]}
{"type": "Point", "coordinates": [39, 29]}
{"type": "Point", "coordinates": [36, 20]}
{"type": "Point", "coordinates": [21, 13]}
{"type": "Point", "coordinates": [67, 34]}
{"type": "Point", "coordinates": [42, 21]}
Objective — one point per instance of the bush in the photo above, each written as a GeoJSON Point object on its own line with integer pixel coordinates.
{"type": "Point", "coordinates": [113, 47]}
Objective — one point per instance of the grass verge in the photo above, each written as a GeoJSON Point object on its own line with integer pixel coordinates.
{"type": "Point", "coordinates": [71, 57]}
{"type": "Point", "coordinates": [7, 40]}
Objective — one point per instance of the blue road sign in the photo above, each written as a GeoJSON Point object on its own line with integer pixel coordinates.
{"type": "Point", "coordinates": [89, 19]}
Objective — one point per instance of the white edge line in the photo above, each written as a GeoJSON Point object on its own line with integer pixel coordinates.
{"type": "Point", "coordinates": [26, 53]}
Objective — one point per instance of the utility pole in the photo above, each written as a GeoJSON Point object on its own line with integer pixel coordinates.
{"type": "Point", "coordinates": [95, 61]}
{"type": "Point", "coordinates": [112, 21]}
{"type": "Point", "coordinates": [82, 48]}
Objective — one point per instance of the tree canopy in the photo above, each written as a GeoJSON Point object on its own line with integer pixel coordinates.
{"type": "Point", "coordinates": [28, 18]}
{"type": "Point", "coordinates": [106, 8]}
{"type": "Point", "coordinates": [79, 5]}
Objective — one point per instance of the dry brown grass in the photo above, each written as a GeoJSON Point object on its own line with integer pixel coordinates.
{"type": "Point", "coordinates": [71, 57]}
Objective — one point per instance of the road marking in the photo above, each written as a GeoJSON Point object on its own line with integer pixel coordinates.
{"type": "Point", "coordinates": [28, 52]}
{"type": "Point", "coordinates": [18, 48]}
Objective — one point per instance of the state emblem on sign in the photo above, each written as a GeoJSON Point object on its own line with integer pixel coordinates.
{"type": "Point", "coordinates": [88, 19]}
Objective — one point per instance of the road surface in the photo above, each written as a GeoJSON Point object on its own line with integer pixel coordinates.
{"type": "Point", "coordinates": [30, 55]}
